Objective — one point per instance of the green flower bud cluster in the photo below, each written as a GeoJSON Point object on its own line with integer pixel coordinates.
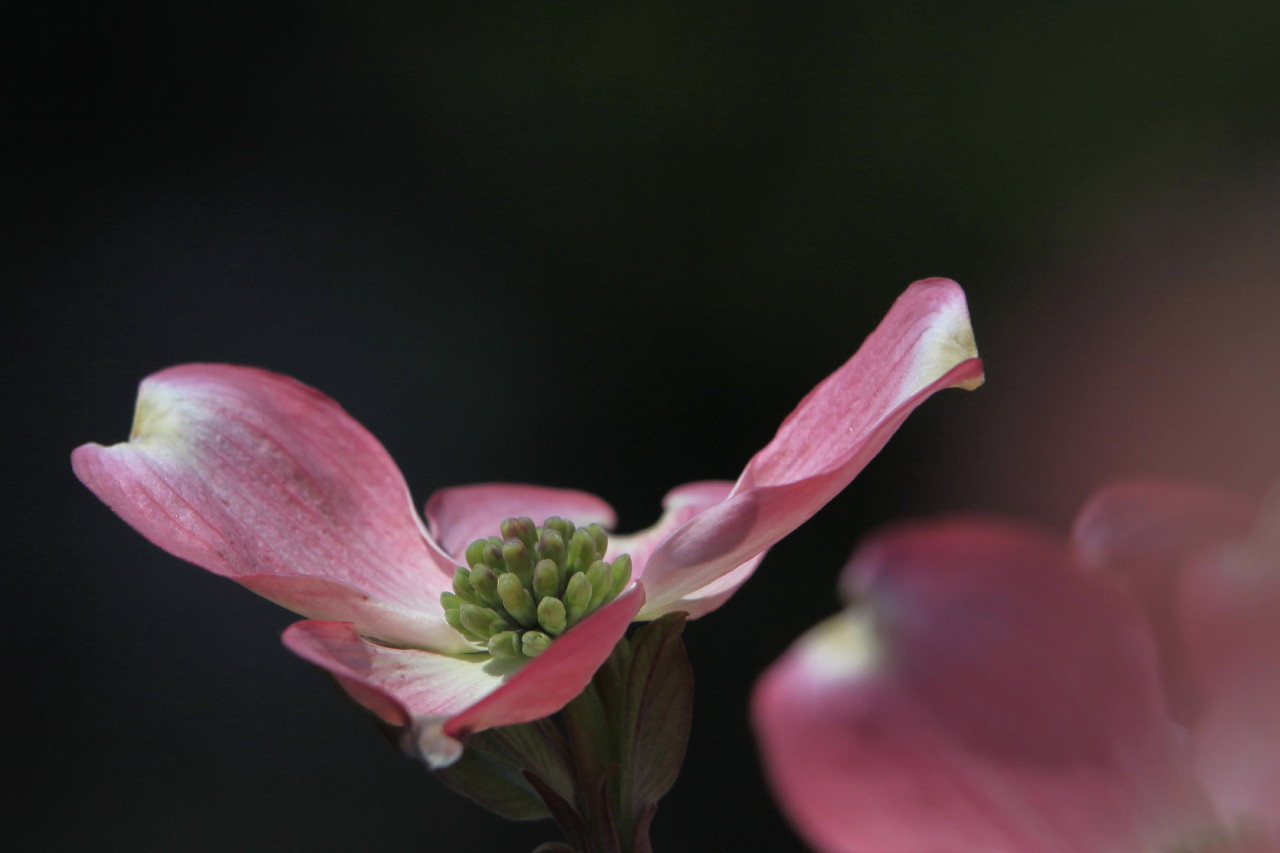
{"type": "Point", "coordinates": [521, 590]}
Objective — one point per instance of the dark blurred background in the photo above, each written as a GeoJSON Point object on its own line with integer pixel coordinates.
{"type": "Point", "coordinates": [599, 246]}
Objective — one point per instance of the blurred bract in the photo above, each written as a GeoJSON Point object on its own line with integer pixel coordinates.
{"type": "Point", "coordinates": [991, 689]}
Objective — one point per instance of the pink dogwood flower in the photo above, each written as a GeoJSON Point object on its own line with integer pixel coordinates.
{"type": "Point", "coordinates": [261, 479]}
{"type": "Point", "coordinates": [992, 689]}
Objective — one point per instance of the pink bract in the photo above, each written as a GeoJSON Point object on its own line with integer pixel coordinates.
{"type": "Point", "coordinates": [259, 478]}
{"type": "Point", "coordinates": [992, 689]}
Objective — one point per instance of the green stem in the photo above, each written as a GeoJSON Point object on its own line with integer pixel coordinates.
{"type": "Point", "coordinates": [592, 752]}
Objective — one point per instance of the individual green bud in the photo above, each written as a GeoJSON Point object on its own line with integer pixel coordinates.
{"type": "Point", "coordinates": [450, 601]}
{"type": "Point", "coordinates": [454, 618]}
{"type": "Point", "coordinates": [505, 644]}
{"type": "Point", "coordinates": [582, 551]}
{"type": "Point", "coordinates": [485, 583]}
{"type": "Point", "coordinates": [577, 598]}
{"type": "Point", "coordinates": [551, 546]}
{"type": "Point", "coordinates": [493, 555]}
{"type": "Point", "coordinates": [462, 586]}
{"type": "Point", "coordinates": [517, 600]}
{"type": "Point", "coordinates": [534, 643]}
{"type": "Point", "coordinates": [551, 616]}
{"type": "Point", "coordinates": [599, 537]}
{"type": "Point", "coordinates": [482, 552]}
{"type": "Point", "coordinates": [601, 577]}
{"type": "Point", "coordinates": [481, 621]}
{"type": "Point", "coordinates": [560, 525]}
{"type": "Point", "coordinates": [521, 528]}
{"type": "Point", "coordinates": [475, 552]}
{"type": "Point", "coordinates": [621, 571]}
{"type": "Point", "coordinates": [518, 560]}
{"type": "Point", "coordinates": [546, 579]}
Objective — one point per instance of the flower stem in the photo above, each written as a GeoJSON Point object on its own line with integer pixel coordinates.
{"type": "Point", "coordinates": [600, 767]}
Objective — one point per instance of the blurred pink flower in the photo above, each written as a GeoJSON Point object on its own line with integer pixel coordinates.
{"type": "Point", "coordinates": [261, 479]}
{"type": "Point", "coordinates": [990, 690]}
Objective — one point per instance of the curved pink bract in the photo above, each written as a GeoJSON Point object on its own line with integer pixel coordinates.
{"type": "Point", "coordinates": [924, 344]}
{"type": "Point", "coordinates": [258, 478]}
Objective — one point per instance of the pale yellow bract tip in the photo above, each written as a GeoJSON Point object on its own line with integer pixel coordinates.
{"type": "Point", "coordinates": [155, 418]}
{"type": "Point", "coordinates": [945, 346]}
{"type": "Point", "coordinates": [844, 646]}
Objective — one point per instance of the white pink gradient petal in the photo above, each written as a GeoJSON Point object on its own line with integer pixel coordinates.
{"type": "Point", "coordinates": [259, 478]}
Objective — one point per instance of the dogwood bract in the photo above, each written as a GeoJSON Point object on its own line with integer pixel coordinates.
{"type": "Point", "coordinates": [259, 478]}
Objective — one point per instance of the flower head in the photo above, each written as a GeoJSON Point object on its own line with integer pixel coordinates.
{"type": "Point", "coordinates": [992, 689]}
{"type": "Point", "coordinates": [434, 627]}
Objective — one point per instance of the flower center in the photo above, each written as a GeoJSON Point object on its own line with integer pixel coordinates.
{"type": "Point", "coordinates": [521, 590]}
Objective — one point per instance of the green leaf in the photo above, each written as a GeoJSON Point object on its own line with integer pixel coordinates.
{"type": "Point", "coordinates": [493, 768]}
{"type": "Point", "coordinates": [606, 830]}
{"type": "Point", "coordinates": [493, 786]}
{"type": "Point", "coordinates": [641, 842]}
{"type": "Point", "coordinates": [657, 714]}
{"type": "Point", "coordinates": [538, 747]}
{"type": "Point", "coordinates": [590, 732]}
{"type": "Point", "coordinates": [566, 816]}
